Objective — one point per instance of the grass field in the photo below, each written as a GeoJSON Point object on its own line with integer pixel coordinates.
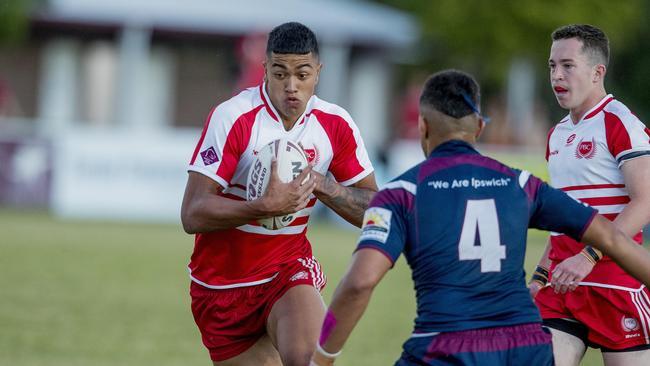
{"type": "Point", "coordinates": [87, 293]}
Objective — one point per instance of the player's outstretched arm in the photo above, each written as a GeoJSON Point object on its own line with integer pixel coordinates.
{"type": "Point", "coordinates": [348, 202]}
{"type": "Point", "coordinates": [349, 302]}
{"type": "Point", "coordinates": [632, 257]}
{"type": "Point", "coordinates": [205, 209]}
{"type": "Point", "coordinates": [541, 274]}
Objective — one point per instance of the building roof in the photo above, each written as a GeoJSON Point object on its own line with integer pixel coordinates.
{"type": "Point", "coordinates": [356, 22]}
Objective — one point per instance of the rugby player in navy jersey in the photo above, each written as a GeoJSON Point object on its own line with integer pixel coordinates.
{"type": "Point", "coordinates": [461, 221]}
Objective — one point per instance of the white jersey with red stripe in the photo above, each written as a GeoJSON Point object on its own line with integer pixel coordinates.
{"type": "Point", "coordinates": [585, 160]}
{"type": "Point", "coordinates": [233, 133]}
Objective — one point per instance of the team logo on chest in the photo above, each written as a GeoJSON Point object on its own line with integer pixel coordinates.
{"type": "Point", "coordinates": [586, 149]}
{"type": "Point", "coordinates": [312, 155]}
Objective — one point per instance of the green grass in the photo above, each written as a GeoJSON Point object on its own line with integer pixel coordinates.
{"type": "Point", "coordinates": [89, 293]}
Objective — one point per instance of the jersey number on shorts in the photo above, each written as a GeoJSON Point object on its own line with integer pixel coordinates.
{"type": "Point", "coordinates": [482, 215]}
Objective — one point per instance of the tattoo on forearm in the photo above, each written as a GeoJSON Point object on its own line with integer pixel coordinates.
{"type": "Point", "coordinates": [349, 202]}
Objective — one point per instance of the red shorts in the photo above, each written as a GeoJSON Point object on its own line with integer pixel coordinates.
{"type": "Point", "coordinates": [232, 320]}
{"type": "Point", "coordinates": [616, 317]}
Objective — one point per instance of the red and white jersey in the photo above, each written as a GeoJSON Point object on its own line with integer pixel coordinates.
{"type": "Point", "coordinates": [233, 133]}
{"type": "Point", "coordinates": [585, 160]}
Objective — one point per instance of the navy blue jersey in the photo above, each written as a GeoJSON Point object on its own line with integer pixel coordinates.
{"type": "Point", "coordinates": [461, 220]}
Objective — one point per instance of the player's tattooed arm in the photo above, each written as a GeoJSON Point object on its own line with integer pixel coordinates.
{"type": "Point", "coordinates": [348, 202]}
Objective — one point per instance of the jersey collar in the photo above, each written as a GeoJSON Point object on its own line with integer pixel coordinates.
{"type": "Point", "coordinates": [270, 109]}
{"type": "Point", "coordinates": [593, 111]}
{"type": "Point", "coordinates": [453, 147]}
{"type": "Point", "coordinates": [598, 107]}
{"type": "Point", "coordinates": [267, 104]}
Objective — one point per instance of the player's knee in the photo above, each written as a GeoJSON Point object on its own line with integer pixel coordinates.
{"type": "Point", "coordinates": [567, 348]}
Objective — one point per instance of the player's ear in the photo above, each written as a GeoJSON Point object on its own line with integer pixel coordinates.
{"type": "Point", "coordinates": [423, 127]}
{"type": "Point", "coordinates": [424, 135]}
{"type": "Point", "coordinates": [599, 73]}
{"type": "Point", "coordinates": [318, 68]}
{"type": "Point", "coordinates": [266, 79]}
{"type": "Point", "coordinates": [481, 127]}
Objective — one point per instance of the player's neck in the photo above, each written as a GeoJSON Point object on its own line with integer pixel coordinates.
{"type": "Point", "coordinates": [289, 122]}
{"type": "Point", "coordinates": [579, 112]}
{"type": "Point", "coordinates": [435, 141]}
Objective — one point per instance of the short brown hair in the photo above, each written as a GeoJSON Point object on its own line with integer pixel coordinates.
{"type": "Point", "coordinates": [594, 41]}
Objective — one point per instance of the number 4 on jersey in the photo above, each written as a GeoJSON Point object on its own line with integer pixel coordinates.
{"type": "Point", "coordinates": [482, 215]}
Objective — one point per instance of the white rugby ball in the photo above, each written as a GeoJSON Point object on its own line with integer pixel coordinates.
{"type": "Point", "coordinates": [291, 160]}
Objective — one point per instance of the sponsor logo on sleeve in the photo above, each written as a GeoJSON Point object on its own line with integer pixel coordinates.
{"type": "Point", "coordinates": [376, 224]}
{"type": "Point", "coordinates": [209, 156]}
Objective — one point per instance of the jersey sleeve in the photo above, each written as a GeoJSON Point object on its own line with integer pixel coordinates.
{"type": "Point", "coordinates": [548, 142]}
{"type": "Point", "coordinates": [385, 223]}
{"type": "Point", "coordinates": [350, 163]}
{"type": "Point", "coordinates": [627, 137]}
{"type": "Point", "coordinates": [223, 140]}
{"type": "Point", "coordinates": [554, 210]}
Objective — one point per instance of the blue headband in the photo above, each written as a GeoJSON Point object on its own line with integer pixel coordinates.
{"type": "Point", "coordinates": [473, 107]}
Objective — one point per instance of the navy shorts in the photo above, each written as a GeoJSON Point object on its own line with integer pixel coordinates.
{"type": "Point", "coordinates": [525, 344]}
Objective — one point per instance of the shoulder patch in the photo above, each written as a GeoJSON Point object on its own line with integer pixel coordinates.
{"type": "Point", "coordinates": [209, 156]}
{"type": "Point", "coordinates": [376, 224]}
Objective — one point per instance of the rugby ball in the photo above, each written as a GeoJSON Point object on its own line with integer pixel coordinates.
{"type": "Point", "coordinates": [291, 160]}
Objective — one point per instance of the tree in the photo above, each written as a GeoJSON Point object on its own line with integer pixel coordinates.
{"type": "Point", "coordinates": [489, 38]}
{"type": "Point", "coordinates": [486, 35]}
{"type": "Point", "coordinates": [13, 20]}
{"type": "Point", "coordinates": [629, 74]}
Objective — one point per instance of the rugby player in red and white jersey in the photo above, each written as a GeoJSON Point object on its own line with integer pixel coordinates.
{"type": "Point", "coordinates": [256, 292]}
{"type": "Point", "coordinates": [600, 155]}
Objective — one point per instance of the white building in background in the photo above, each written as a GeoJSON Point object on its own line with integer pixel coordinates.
{"type": "Point", "coordinates": [122, 88]}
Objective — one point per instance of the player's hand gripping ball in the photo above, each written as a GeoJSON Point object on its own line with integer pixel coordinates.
{"type": "Point", "coordinates": [291, 160]}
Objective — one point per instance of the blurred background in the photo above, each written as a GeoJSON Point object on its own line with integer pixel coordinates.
{"type": "Point", "coordinates": [102, 103]}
